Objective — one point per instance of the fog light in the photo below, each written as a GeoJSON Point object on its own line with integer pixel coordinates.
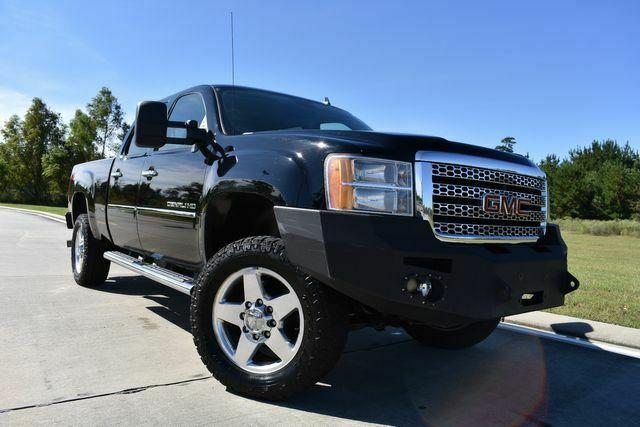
{"type": "Point", "coordinates": [412, 284]}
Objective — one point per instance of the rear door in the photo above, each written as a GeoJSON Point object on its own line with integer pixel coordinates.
{"type": "Point", "coordinates": [171, 190]}
{"type": "Point", "coordinates": [124, 185]}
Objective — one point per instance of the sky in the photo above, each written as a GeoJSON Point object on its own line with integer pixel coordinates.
{"type": "Point", "coordinates": [553, 74]}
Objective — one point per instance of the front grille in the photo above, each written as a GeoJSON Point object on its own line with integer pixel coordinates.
{"type": "Point", "coordinates": [487, 175]}
{"type": "Point", "coordinates": [466, 201]}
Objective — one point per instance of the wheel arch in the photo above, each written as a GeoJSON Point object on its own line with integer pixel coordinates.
{"type": "Point", "coordinates": [231, 216]}
{"type": "Point", "coordinates": [80, 204]}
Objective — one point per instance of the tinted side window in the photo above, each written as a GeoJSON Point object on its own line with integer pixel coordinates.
{"type": "Point", "coordinates": [188, 107]}
{"type": "Point", "coordinates": [132, 149]}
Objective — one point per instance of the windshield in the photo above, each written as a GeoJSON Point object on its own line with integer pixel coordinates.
{"type": "Point", "coordinates": [251, 110]}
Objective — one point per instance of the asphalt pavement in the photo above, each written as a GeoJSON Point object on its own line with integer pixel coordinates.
{"type": "Point", "coordinates": [122, 354]}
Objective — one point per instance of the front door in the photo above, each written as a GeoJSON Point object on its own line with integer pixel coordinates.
{"type": "Point", "coordinates": [124, 185]}
{"type": "Point", "coordinates": [170, 192]}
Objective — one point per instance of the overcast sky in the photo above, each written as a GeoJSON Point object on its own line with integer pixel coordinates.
{"type": "Point", "coordinates": [553, 74]}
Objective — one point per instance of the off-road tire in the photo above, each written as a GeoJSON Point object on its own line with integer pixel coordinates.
{"type": "Point", "coordinates": [325, 326]}
{"type": "Point", "coordinates": [453, 339]}
{"type": "Point", "coordinates": [94, 268]}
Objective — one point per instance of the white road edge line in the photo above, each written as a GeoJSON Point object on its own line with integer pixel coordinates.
{"type": "Point", "coordinates": [580, 342]}
{"type": "Point", "coordinates": [36, 213]}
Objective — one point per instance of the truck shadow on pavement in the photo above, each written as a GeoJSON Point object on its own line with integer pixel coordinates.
{"type": "Point", "coordinates": [169, 304]}
{"type": "Point", "coordinates": [509, 379]}
{"type": "Point", "coordinates": [576, 329]}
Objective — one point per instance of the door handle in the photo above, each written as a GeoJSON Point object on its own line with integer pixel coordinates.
{"type": "Point", "coordinates": [150, 173]}
{"type": "Point", "coordinates": [117, 174]}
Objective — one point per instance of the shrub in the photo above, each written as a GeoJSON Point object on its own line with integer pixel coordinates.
{"type": "Point", "coordinates": [622, 227]}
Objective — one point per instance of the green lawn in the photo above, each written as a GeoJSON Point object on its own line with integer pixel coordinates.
{"type": "Point", "coordinates": [608, 268]}
{"type": "Point", "coordinates": [49, 209]}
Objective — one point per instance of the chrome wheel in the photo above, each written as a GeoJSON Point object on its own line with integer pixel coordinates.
{"type": "Point", "coordinates": [257, 320]}
{"type": "Point", "coordinates": [78, 252]}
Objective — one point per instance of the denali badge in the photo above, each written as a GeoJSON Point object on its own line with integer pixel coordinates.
{"type": "Point", "coordinates": [499, 203]}
{"type": "Point", "coordinates": [181, 205]}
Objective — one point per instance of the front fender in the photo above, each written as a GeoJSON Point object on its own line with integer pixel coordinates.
{"type": "Point", "coordinates": [277, 176]}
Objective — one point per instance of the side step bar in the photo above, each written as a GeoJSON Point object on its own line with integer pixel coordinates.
{"type": "Point", "coordinates": [161, 275]}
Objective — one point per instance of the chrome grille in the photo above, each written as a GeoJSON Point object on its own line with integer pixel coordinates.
{"type": "Point", "coordinates": [466, 211]}
{"type": "Point", "coordinates": [451, 191]}
{"type": "Point", "coordinates": [487, 175]}
{"type": "Point", "coordinates": [468, 192]}
{"type": "Point", "coordinates": [485, 230]}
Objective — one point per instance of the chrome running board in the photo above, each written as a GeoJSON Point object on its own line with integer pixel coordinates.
{"type": "Point", "coordinates": [161, 275]}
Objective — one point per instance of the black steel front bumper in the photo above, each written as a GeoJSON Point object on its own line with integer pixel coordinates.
{"type": "Point", "coordinates": [370, 258]}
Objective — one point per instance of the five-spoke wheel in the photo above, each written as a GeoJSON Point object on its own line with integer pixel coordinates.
{"type": "Point", "coordinates": [258, 320]}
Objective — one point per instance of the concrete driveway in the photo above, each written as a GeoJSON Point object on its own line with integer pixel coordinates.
{"type": "Point", "coordinates": [122, 354]}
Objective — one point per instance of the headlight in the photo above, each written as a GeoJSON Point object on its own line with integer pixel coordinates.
{"type": "Point", "coordinates": [355, 183]}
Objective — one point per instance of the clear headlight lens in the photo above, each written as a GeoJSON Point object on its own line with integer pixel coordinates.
{"type": "Point", "coordinates": [370, 185]}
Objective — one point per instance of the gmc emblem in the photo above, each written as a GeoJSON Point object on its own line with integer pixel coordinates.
{"type": "Point", "coordinates": [498, 203]}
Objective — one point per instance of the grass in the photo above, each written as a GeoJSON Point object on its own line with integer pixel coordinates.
{"type": "Point", "coordinates": [49, 209]}
{"type": "Point", "coordinates": [608, 268]}
{"type": "Point", "coordinates": [623, 227]}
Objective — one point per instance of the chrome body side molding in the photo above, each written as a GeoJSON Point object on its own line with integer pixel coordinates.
{"type": "Point", "coordinates": [175, 212]}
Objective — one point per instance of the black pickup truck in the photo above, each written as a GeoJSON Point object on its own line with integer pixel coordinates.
{"type": "Point", "coordinates": [290, 222]}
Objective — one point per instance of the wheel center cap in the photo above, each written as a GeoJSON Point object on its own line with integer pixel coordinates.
{"type": "Point", "coordinates": [254, 320]}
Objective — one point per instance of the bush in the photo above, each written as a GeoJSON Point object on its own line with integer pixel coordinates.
{"type": "Point", "coordinates": [600, 181]}
{"type": "Point", "coordinates": [621, 227]}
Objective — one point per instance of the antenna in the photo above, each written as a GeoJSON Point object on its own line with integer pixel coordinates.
{"type": "Point", "coordinates": [233, 65]}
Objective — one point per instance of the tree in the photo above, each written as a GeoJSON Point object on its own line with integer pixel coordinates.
{"type": "Point", "coordinates": [41, 130]}
{"type": "Point", "coordinates": [600, 181]}
{"type": "Point", "coordinates": [12, 177]}
{"type": "Point", "coordinates": [616, 190]}
{"type": "Point", "coordinates": [78, 148]}
{"type": "Point", "coordinates": [549, 166]}
{"type": "Point", "coordinates": [108, 118]}
{"type": "Point", "coordinates": [8, 153]}
{"type": "Point", "coordinates": [26, 142]}
{"type": "Point", "coordinates": [506, 144]}
{"type": "Point", "coordinates": [123, 132]}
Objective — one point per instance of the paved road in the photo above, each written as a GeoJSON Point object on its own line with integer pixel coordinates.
{"type": "Point", "coordinates": [123, 355]}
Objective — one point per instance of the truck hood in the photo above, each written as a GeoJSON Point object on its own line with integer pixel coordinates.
{"type": "Point", "coordinates": [393, 145]}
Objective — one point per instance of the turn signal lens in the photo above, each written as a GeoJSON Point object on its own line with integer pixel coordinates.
{"type": "Point", "coordinates": [364, 184]}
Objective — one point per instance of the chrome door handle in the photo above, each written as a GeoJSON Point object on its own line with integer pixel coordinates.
{"type": "Point", "coordinates": [117, 174]}
{"type": "Point", "coordinates": [150, 173]}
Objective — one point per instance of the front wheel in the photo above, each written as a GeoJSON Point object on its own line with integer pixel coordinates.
{"type": "Point", "coordinates": [261, 326]}
{"type": "Point", "coordinates": [454, 338]}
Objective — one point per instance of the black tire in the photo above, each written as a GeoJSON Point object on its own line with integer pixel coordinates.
{"type": "Point", "coordinates": [90, 269]}
{"type": "Point", "coordinates": [324, 333]}
{"type": "Point", "coordinates": [453, 339]}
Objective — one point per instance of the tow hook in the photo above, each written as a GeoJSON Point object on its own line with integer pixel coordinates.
{"type": "Point", "coordinates": [572, 283]}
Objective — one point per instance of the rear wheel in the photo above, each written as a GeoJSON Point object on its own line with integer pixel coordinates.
{"type": "Point", "coordinates": [89, 267]}
{"type": "Point", "coordinates": [454, 338]}
{"type": "Point", "coordinates": [262, 327]}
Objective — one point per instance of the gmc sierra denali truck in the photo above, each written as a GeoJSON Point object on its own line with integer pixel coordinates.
{"type": "Point", "coordinates": [290, 222]}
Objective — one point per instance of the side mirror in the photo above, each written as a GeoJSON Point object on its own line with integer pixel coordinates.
{"type": "Point", "coordinates": [151, 124]}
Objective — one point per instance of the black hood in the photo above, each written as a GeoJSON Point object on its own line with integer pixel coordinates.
{"type": "Point", "coordinates": [392, 145]}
